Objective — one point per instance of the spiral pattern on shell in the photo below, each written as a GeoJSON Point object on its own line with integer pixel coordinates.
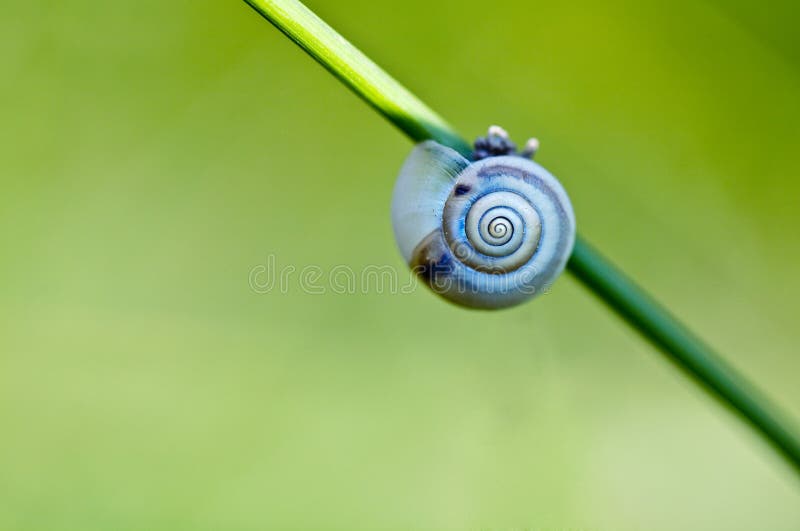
{"type": "Point", "coordinates": [485, 234]}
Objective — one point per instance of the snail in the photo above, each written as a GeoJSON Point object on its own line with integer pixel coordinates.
{"type": "Point", "coordinates": [490, 232]}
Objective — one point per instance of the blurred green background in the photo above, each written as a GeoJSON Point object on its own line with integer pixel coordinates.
{"type": "Point", "coordinates": [153, 153]}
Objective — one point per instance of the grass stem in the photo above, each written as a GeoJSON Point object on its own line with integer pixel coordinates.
{"type": "Point", "coordinates": [633, 304]}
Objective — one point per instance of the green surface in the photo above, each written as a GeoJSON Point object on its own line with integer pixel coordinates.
{"type": "Point", "coordinates": [152, 157]}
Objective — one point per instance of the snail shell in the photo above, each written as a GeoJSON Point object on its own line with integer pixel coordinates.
{"type": "Point", "coordinates": [485, 234]}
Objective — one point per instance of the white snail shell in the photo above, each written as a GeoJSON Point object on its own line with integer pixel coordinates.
{"type": "Point", "coordinates": [485, 234]}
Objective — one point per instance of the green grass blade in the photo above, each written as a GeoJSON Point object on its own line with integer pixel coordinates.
{"type": "Point", "coordinates": [643, 313]}
{"type": "Point", "coordinates": [684, 348]}
{"type": "Point", "coordinates": [359, 73]}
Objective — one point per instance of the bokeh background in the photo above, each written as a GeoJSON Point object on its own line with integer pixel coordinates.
{"type": "Point", "coordinates": [152, 154]}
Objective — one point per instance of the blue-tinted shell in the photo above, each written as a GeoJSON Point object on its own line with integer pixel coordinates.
{"type": "Point", "coordinates": [486, 234]}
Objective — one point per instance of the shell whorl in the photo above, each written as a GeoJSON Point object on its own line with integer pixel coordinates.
{"type": "Point", "coordinates": [486, 234]}
{"type": "Point", "coordinates": [492, 227]}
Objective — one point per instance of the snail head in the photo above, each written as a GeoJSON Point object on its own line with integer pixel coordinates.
{"type": "Point", "coordinates": [497, 143]}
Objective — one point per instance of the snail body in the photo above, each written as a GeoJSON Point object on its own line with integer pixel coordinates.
{"type": "Point", "coordinates": [487, 233]}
